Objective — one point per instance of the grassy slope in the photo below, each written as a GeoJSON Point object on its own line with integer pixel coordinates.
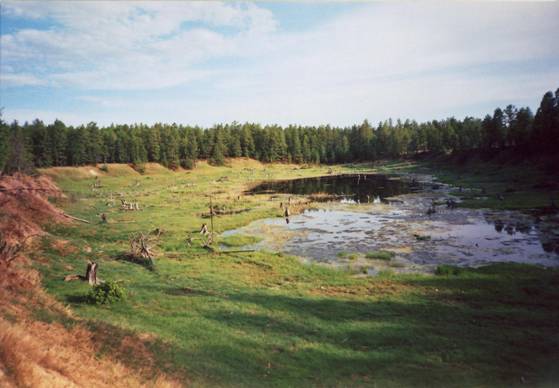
{"type": "Point", "coordinates": [249, 319]}
{"type": "Point", "coordinates": [506, 183]}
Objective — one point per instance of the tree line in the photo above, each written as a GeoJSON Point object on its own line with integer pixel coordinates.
{"type": "Point", "coordinates": [36, 144]}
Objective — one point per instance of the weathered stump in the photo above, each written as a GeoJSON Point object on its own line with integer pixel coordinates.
{"type": "Point", "coordinates": [91, 273]}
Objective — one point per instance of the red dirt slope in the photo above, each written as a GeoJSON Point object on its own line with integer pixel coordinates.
{"type": "Point", "coordinates": [35, 353]}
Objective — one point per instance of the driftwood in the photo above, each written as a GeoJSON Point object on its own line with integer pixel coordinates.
{"type": "Point", "coordinates": [125, 205]}
{"type": "Point", "coordinates": [142, 246]}
{"type": "Point", "coordinates": [222, 212]}
{"type": "Point", "coordinates": [76, 218]}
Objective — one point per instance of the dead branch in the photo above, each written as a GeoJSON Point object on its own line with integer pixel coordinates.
{"type": "Point", "coordinates": [8, 252]}
{"type": "Point", "coordinates": [142, 246]}
{"type": "Point", "coordinates": [75, 218]}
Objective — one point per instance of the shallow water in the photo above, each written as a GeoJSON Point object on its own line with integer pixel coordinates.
{"type": "Point", "coordinates": [399, 223]}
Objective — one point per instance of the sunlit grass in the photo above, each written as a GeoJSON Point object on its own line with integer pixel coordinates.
{"type": "Point", "coordinates": [257, 318]}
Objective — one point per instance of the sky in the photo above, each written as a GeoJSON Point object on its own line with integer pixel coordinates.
{"type": "Point", "coordinates": [309, 63]}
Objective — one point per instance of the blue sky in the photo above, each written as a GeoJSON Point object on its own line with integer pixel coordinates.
{"type": "Point", "coordinates": [273, 62]}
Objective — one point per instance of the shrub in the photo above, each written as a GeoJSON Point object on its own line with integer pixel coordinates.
{"type": "Point", "coordinates": [188, 164]}
{"type": "Point", "coordinates": [445, 269]}
{"type": "Point", "coordinates": [173, 165]}
{"type": "Point", "coordinates": [106, 293]}
{"type": "Point", "coordinates": [104, 167]}
{"type": "Point", "coordinates": [380, 255]}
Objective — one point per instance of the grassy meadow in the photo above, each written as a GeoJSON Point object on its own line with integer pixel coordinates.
{"type": "Point", "coordinates": [213, 318]}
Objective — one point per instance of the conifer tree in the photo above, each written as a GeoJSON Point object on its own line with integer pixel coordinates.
{"type": "Point", "coordinates": [217, 156]}
{"type": "Point", "coordinates": [247, 142]}
{"type": "Point", "coordinates": [40, 144]}
{"type": "Point", "coordinates": [18, 157]}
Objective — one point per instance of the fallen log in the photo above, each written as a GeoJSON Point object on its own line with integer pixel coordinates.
{"type": "Point", "coordinates": [69, 278]}
{"type": "Point", "coordinates": [76, 218]}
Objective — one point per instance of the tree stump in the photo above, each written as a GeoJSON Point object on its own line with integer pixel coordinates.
{"type": "Point", "coordinates": [91, 273]}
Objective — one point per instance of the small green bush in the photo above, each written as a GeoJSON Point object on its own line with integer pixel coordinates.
{"type": "Point", "coordinates": [173, 165]}
{"type": "Point", "coordinates": [380, 255]}
{"type": "Point", "coordinates": [188, 164]}
{"type": "Point", "coordinates": [104, 167]}
{"type": "Point", "coordinates": [445, 270]}
{"type": "Point", "coordinates": [106, 293]}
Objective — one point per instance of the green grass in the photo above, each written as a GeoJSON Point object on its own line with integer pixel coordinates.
{"type": "Point", "coordinates": [239, 240]}
{"type": "Point", "coordinates": [380, 255]}
{"type": "Point", "coordinates": [503, 182]}
{"type": "Point", "coordinates": [445, 269]}
{"type": "Point", "coordinates": [256, 318]}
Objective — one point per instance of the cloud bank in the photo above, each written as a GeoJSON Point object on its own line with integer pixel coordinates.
{"type": "Point", "coordinates": [201, 63]}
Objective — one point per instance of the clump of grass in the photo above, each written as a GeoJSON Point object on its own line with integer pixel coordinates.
{"type": "Point", "coordinates": [386, 273]}
{"type": "Point", "coordinates": [239, 240]}
{"type": "Point", "coordinates": [380, 255]}
{"type": "Point", "coordinates": [445, 270]}
{"type": "Point", "coordinates": [106, 293]}
{"type": "Point", "coordinates": [348, 255]}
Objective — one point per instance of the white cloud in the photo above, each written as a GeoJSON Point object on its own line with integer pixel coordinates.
{"type": "Point", "coordinates": [419, 60]}
{"type": "Point", "coordinates": [127, 45]}
{"type": "Point", "coordinates": [20, 79]}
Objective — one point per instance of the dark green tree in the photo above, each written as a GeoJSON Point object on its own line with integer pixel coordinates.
{"type": "Point", "coordinates": [217, 155]}
{"type": "Point", "coordinates": [18, 158]}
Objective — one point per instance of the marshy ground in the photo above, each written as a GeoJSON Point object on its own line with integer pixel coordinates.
{"type": "Point", "coordinates": [261, 318]}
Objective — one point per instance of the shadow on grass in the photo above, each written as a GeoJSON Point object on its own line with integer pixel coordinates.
{"type": "Point", "coordinates": [480, 328]}
{"type": "Point", "coordinates": [77, 299]}
{"type": "Point", "coordinates": [146, 263]}
{"type": "Point", "coordinates": [187, 291]}
{"type": "Point", "coordinates": [462, 337]}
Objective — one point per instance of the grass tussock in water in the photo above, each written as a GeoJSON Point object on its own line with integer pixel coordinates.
{"type": "Point", "coordinates": [380, 255]}
{"type": "Point", "coordinates": [445, 270]}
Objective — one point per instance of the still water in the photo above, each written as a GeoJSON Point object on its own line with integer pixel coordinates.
{"type": "Point", "coordinates": [357, 188]}
{"type": "Point", "coordinates": [367, 213]}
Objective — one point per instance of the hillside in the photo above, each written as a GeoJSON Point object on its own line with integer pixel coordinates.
{"type": "Point", "coordinates": [211, 318]}
{"type": "Point", "coordinates": [42, 342]}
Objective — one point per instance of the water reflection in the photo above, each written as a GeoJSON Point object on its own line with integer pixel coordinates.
{"type": "Point", "coordinates": [357, 188]}
{"type": "Point", "coordinates": [449, 235]}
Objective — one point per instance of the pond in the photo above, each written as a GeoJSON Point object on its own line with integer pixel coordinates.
{"type": "Point", "coordinates": [358, 188]}
{"type": "Point", "coordinates": [409, 216]}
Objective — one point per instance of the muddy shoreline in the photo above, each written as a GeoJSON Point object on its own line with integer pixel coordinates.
{"type": "Point", "coordinates": [422, 228]}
